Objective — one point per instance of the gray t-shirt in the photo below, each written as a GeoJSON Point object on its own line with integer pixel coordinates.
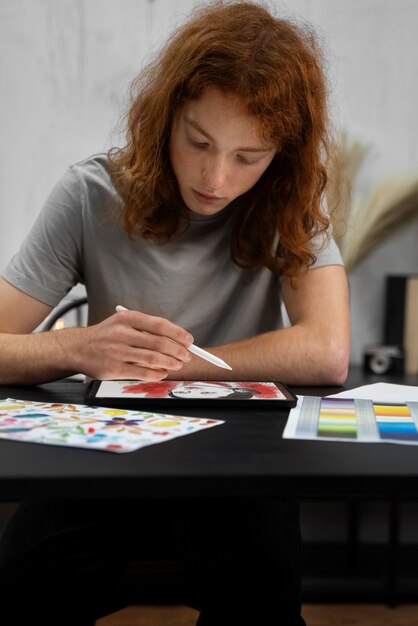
{"type": "Point", "coordinates": [192, 281]}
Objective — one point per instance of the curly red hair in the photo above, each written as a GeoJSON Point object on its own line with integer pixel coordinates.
{"type": "Point", "coordinates": [275, 67]}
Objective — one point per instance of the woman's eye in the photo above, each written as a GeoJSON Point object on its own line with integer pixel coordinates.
{"type": "Point", "coordinates": [197, 144]}
{"type": "Point", "coordinates": [243, 160]}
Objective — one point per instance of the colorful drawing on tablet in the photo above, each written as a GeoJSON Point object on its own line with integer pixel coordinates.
{"type": "Point", "coordinates": [191, 389]}
{"type": "Point", "coordinates": [81, 426]}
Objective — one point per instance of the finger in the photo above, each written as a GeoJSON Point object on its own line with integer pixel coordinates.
{"type": "Point", "coordinates": [160, 345]}
{"type": "Point", "coordinates": [156, 326]}
{"type": "Point", "coordinates": [128, 336]}
{"type": "Point", "coordinates": [123, 352]}
{"type": "Point", "coordinates": [132, 371]}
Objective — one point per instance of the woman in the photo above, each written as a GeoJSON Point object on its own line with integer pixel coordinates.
{"type": "Point", "coordinates": [204, 223]}
{"type": "Point", "coordinates": [211, 390]}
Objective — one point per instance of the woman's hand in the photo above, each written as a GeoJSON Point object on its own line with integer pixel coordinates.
{"type": "Point", "coordinates": [128, 345]}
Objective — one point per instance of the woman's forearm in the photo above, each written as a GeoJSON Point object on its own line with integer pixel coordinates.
{"type": "Point", "coordinates": [127, 345]}
{"type": "Point", "coordinates": [36, 358]}
{"type": "Point", "coordinates": [294, 355]}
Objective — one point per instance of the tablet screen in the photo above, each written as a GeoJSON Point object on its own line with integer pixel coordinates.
{"type": "Point", "coordinates": [189, 392]}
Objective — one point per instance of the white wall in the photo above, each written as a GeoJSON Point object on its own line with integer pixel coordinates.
{"type": "Point", "coordinates": [65, 67]}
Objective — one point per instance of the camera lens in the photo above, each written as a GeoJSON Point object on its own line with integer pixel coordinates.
{"type": "Point", "coordinates": [379, 363]}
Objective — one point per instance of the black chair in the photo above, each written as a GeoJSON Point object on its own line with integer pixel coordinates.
{"type": "Point", "coordinates": [62, 309]}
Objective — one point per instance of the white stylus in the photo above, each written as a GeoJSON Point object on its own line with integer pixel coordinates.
{"type": "Point", "coordinates": [196, 350]}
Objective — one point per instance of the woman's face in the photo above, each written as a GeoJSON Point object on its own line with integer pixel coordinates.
{"type": "Point", "coordinates": [216, 151]}
{"type": "Point", "coordinates": [201, 390]}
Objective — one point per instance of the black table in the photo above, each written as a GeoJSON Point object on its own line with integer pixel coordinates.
{"type": "Point", "coordinates": [246, 456]}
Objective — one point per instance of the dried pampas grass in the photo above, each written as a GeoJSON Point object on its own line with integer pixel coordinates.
{"type": "Point", "coordinates": [360, 226]}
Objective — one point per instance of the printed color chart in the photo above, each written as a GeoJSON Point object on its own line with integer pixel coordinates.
{"type": "Point", "coordinates": [337, 418]}
{"type": "Point", "coordinates": [345, 419]}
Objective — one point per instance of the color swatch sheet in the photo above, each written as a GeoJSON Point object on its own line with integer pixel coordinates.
{"type": "Point", "coordinates": [82, 426]}
{"type": "Point", "coordinates": [353, 419]}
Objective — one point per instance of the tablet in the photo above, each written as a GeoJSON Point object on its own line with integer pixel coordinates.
{"type": "Point", "coordinates": [191, 393]}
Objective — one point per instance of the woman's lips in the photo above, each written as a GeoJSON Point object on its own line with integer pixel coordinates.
{"type": "Point", "coordinates": [205, 198]}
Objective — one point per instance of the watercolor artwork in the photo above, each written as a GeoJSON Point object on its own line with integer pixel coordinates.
{"type": "Point", "coordinates": [353, 419]}
{"type": "Point", "coordinates": [190, 389]}
{"type": "Point", "coordinates": [205, 394]}
{"type": "Point", "coordinates": [82, 426]}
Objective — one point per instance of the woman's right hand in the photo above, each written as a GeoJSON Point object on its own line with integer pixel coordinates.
{"type": "Point", "coordinates": [126, 345]}
{"type": "Point", "coordinates": [129, 345]}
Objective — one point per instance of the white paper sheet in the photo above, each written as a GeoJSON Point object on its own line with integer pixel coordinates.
{"type": "Point", "coordinates": [381, 392]}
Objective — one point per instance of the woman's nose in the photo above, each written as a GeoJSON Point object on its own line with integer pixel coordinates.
{"type": "Point", "coordinates": [214, 173]}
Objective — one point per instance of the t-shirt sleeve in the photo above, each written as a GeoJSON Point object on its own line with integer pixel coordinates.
{"type": "Point", "coordinates": [48, 263]}
{"type": "Point", "coordinates": [324, 246]}
{"type": "Point", "coordinates": [326, 251]}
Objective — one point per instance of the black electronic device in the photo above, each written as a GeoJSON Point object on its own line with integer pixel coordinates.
{"type": "Point", "coordinates": [384, 359]}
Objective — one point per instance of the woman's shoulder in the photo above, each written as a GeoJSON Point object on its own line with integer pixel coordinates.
{"type": "Point", "coordinates": [91, 176]}
{"type": "Point", "coordinates": [85, 188]}
{"type": "Point", "coordinates": [93, 167]}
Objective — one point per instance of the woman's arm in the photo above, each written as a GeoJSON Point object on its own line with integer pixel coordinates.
{"type": "Point", "coordinates": [313, 351]}
{"type": "Point", "coordinates": [126, 345]}
{"type": "Point", "coordinates": [132, 345]}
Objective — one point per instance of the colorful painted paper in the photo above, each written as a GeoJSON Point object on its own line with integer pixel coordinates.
{"type": "Point", "coordinates": [353, 419]}
{"type": "Point", "coordinates": [100, 428]}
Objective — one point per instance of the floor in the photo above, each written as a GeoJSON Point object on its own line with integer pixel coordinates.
{"type": "Point", "coordinates": [314, 614]}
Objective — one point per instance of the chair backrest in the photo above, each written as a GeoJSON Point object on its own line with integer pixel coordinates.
{"type": "Point", "coordinates": [77, 307]}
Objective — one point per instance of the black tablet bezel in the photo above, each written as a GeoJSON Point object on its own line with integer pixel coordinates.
{"type": "Point", "coordinates": [140, 403]}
